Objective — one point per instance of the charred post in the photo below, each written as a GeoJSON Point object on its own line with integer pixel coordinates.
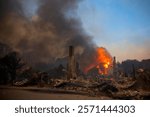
{"type": "Point", "coordinates": [71, 64]}
{"type": "Point", "coordinates": [114, 68]}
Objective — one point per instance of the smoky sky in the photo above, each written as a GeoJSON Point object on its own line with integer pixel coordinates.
{"type": "Point", "coordinates": [47, 35]}
{"type": "Point", "coordinates": [9, 6]}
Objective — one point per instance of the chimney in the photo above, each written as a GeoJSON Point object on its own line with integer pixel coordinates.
{"type": "Point", "coordinates": [71, 51]}
{"type": "Point", "coordinates": [71, 64]}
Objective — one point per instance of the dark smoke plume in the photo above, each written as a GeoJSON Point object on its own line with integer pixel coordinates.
{"type": "Point", "coordinates": [47, 36]}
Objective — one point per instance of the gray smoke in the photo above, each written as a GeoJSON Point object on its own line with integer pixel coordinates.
{"type": "Point", "coordinates": [45, 37]}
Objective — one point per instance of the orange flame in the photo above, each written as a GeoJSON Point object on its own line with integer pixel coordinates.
{"type": "Point", "coordinates": [102, 62]}
{"type": "Point", "coordinates": [104, 59]}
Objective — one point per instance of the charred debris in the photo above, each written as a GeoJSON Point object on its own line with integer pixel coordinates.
{"type": "Point", "coordinates": [129, 80]}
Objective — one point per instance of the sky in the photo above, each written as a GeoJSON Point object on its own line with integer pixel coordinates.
{"type": "Point", "coordinates": [121, 26]}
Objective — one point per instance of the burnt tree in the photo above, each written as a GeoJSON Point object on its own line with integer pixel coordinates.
{"type": "Point", "coordinates": [8, 66]}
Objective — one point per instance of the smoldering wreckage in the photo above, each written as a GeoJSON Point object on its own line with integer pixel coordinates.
{"type": "Point", "coordinates": [100, 80]}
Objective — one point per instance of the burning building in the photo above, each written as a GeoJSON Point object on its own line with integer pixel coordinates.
{"type": "Point", "coordinates": [102, 64]}
{"type": "Point", "coordinates": [104, 61]}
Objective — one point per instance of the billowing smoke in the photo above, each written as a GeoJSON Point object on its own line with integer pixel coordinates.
{"type": "Point", "coordinates": [47, 35]}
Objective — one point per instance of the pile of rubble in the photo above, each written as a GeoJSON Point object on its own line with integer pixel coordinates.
{"type": "Point", "coordinates": [124, 88]}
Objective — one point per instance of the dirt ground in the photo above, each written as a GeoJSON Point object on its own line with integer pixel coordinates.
{"type": "Point", "coordinates": [34, 93]}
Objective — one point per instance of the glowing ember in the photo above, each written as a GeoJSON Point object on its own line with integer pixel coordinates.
{"type": "Point", "coordinates": [103, 61]}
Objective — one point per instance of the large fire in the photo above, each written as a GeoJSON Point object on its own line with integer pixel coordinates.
{"type": "Point", "coordinates": [102, 62]}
